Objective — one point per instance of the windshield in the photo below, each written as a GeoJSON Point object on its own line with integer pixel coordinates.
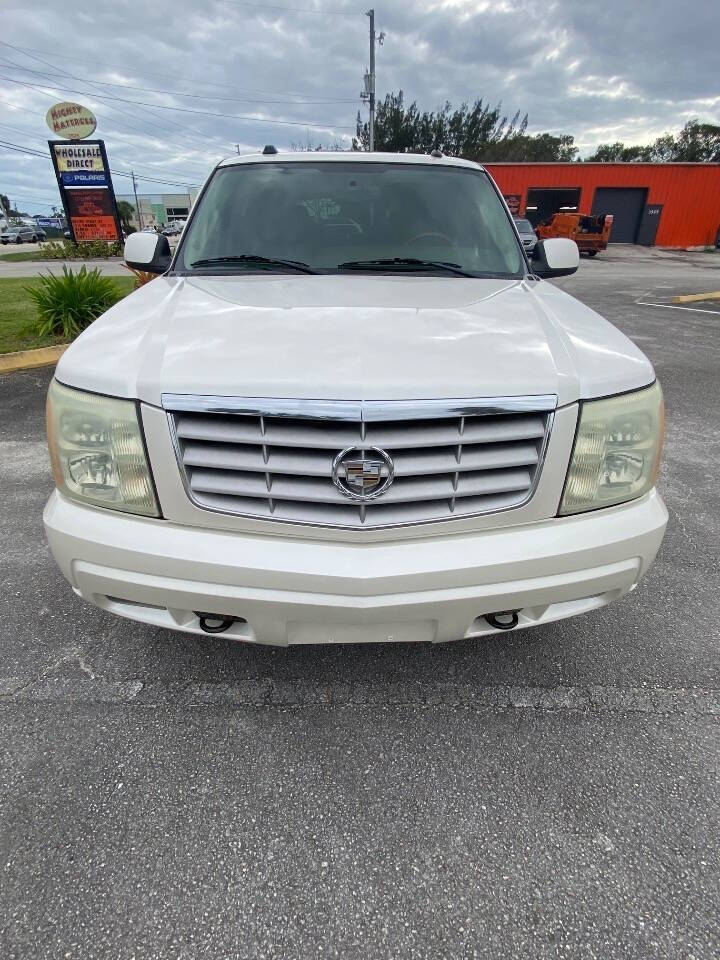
{"type": "Point", "coordinates": [336, 216]}
{"type": "Point", "coordinates": [524, 226]}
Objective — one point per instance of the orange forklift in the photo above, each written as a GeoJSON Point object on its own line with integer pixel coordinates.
{"type": "Point", "coordinates": [590, 233]}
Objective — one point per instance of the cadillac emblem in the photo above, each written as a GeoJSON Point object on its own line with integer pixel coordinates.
{"type": "Point", "coordinates": [363, 473]}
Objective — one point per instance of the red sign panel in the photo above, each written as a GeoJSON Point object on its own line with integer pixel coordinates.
{"type": "Point", "coordinates": [91, 214]}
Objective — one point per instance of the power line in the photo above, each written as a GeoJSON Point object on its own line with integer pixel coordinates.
{"type": "Point", "coordinates": [270, 6]}
{"type": "Point", "coordinates": [201, 136]}
{"type": "Point", "coordinates": [34, 136]}
{"type": "Point", "coordinates": [204, 113]}
{"type": "Point", "coordinates": [113, 120]}
{"type": "Point", "coordinates": [24, 197]}
{"type": "Point", "coordinates": [297, 101]}
{"type": "Point", "coordinates": [30, 151]}
{"type": "Point", "coordinates": [164, 122]}
{"type": "Point", "coordinates": [124, 67]}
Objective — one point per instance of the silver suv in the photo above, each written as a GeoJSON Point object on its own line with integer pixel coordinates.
{"type": "Point", "coordinates": [22, 235]}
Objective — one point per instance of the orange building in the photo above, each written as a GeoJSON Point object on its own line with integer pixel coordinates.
{"type": "Point", "coordinates": [663, 204]}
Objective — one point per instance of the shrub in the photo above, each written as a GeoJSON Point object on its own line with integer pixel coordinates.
{"type": "Point", "coordinates": [67, 250]}
{"type": "Point", "coordinates": [68, 303]}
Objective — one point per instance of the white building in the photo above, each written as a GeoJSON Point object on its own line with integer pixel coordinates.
{"type": "Point", "coordinates": [160, 209]}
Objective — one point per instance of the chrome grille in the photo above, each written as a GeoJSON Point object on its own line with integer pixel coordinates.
{"type": "Point", "coordinates": [274, 460]}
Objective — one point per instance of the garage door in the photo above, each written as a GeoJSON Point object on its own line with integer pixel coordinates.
{"type": "Point", "coordinates": [543, 202]}
{"type": "Point", "coordinates": [626, 204]}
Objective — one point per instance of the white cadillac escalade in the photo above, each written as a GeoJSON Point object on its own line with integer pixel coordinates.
{"type": "Point", "coordinates": [350, 409]}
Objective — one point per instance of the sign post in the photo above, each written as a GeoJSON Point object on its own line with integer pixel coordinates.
{"type": "Point", "coordinates": [83, 176]}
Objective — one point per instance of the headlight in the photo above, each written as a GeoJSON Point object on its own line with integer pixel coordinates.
{"type": "Point", "coordinates": [97, 451]}
{"type": "Point", "coordinates": [617, 450]}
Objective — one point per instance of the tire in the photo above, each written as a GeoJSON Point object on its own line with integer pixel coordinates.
{"type": "Point", "coordinates": [19, 240]}
{"type": "Point", "coordinates": [592, 253]}
{"type": "Point", "coordinates": [34, 238]}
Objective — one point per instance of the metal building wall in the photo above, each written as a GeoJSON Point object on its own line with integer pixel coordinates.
{"type": "Point", "coordinates": [689, 192]}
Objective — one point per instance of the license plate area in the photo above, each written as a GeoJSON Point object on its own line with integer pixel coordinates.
{"type": "Point", "coordinates": [419, 631]}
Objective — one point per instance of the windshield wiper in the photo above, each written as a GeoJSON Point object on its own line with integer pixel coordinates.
{"type": "Point", "coordinates": [256, 258]}
{"type": "Point", "coordinates": [411, 263]}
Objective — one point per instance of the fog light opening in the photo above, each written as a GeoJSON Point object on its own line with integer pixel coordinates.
{"type": "Point", "coordinates": [503, 619]}
{"type": "Point", "coordinates": [216, 622]}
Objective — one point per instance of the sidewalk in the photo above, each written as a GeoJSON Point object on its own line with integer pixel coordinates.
{"type": "Point", "coordinates": [630, 252]}
{"type": "Point", "coordinates": [31, 268]}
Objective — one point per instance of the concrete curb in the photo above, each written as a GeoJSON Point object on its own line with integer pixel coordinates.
{"type": "Point", "coordinates": [697, 297]}
{"type": "Point", "coordinates": [27, 359]}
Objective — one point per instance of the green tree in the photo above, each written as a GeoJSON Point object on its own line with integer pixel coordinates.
{"type": "Point", "coordinates": [698, 143]}
{"type": "Point", "coordinates": [522, 148]}
{"type": "Point", "coordinates": [474, 131]}
{"type": "Point", "coordinates": [695, 143]}
{"type": "Point", "coordinates": [460, 132]}
{"type": "Point", "coordinates": [618, 153]}
{"type": "Point", "coordinates": [126, 212]}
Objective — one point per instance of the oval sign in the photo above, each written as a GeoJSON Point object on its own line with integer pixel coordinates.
{"type": "Point", "coordinates": [71, 121]}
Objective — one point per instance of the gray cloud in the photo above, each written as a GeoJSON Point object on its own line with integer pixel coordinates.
{"type": "Point", "coordinates": [617, 70]}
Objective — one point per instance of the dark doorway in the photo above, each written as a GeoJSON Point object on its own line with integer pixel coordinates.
{"type": "Point", "coordinates": [626, 204]}
{"type": "Point", "coordinates": [649, 224]}
{"type": "Point", "coordinates": [543, 202]}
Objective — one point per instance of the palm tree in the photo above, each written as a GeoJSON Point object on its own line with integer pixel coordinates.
{"type": "Point", "coordinates": [126, 211]}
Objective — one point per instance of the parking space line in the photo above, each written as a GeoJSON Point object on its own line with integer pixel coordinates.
{"type": "Point", "coordinates": [670, 306]}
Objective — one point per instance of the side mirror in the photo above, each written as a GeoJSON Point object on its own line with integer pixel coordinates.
{"type": "Point", "coordinates": [556, 257]}
{"type": "Point", "coordinates": [148, 251]}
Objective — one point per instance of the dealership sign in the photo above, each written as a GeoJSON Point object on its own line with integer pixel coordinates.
{"type": "Point", "coordinates": [84, 179]}
{"type": "Point", "coordinates": [72, 157]}
{"type": "Point", "coordinates": [86, 189]}
{"type": "Point", "coordinates": [71, 121]}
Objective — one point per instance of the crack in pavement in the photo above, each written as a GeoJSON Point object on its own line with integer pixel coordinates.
{"type": "Point", "coordinates": [268, 693]}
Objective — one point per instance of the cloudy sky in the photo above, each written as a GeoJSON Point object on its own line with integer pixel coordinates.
{"type": "Point", "coordinates": [177, 85]}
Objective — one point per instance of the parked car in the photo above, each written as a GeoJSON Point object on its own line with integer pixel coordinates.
{"type": "Point", "coordinates": [527, 234]}
{"type": "Point", "coordinates": [174, 229]}
{"type": "Point", "coordinates": [22, 235]}
{"type": "Point", "coordinates": [347, 410]}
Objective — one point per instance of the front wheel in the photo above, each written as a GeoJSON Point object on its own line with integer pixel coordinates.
{"type": "Point", "coordinates": [592, 253]}
{"type": "Point", "coordinates": [19, 240]}
{"type": "Point", "coordinates": [34, 239]}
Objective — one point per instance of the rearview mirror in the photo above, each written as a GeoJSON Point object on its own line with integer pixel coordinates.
{"type": "Point", "coordinates": [556, 257]}
{"type": "Point", "coordinates": [148, 251]}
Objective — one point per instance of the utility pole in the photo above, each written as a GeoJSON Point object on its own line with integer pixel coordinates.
{"type": "Point", "coordinates": [137, 205]}
{"type": "Point", "coordinates": [369, 91]}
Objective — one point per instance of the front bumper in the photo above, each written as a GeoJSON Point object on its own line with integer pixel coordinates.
{"type": "Point", "coordinates": [289, 590]}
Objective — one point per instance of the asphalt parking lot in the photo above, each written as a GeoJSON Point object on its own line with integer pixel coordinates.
{"type": "Point", "coordinates": [545, 793]}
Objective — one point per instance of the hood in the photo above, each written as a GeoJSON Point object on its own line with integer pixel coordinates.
{"type": "Point", "coordinates": [354, 338]}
